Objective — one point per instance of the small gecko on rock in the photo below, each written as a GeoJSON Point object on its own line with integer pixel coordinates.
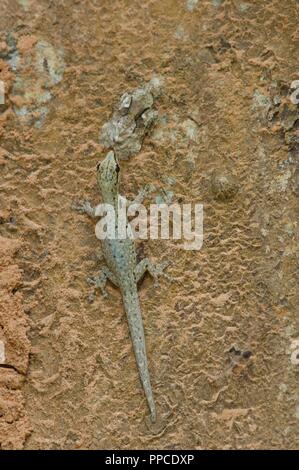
{"type": "Point", "coordinates": [122, 268]}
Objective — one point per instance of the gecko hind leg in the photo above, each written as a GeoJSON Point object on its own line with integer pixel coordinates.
{"type": "Point", "coordinates": [154, 270]}
{"type": "Point", "coordinates": [99, 281]}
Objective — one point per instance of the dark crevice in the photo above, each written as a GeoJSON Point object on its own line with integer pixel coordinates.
{"type": "Point", "coordinates": [9, 366]}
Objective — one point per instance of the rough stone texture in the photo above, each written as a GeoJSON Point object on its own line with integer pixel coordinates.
{"type": "Point", "coordinates": [14, 349]}
{"type": "Point", "coordinates": [221, 340]}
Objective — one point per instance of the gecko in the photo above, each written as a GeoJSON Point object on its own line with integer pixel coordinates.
{"type": "Point", "coordinates": [122, 268]}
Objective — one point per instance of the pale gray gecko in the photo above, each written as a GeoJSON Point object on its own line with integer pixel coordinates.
{"type": "Point", "coordinates": [122, 268]}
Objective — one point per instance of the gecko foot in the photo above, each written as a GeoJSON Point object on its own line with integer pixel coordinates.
{"type": "Point", "coordinates": [84, 207]}
{"type": "Point", "coordinates": [143, 193]}
{"type": "Point", "coordinates": [154, 270]}
{"type": "Point", "coordinates": [158, 270]}
{"type": "Point", "coordinates": [99, 282]}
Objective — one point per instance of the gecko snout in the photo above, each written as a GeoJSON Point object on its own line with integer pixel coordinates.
{"type": "Point", "coordinates": [108, 170]}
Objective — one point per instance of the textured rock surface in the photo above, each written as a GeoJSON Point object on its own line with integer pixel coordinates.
{"type": "Point", "coordinates": [222, 339]}
{"type": "Point", "coordinates": [14, 349]}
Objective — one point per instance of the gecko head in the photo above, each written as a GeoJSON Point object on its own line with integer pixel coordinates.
{"type": "Point", "coordinates": [108, 173]}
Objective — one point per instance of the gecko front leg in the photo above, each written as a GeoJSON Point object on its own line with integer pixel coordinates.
{"type": "Point", "coordinates": [154, 270]}
{"type": "Point", "coordinates": [100, 280]}
{"type": "Point", "coordinates": [85, 207]}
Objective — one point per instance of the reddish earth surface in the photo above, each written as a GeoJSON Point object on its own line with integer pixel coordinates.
{"type": "Point", "coordinates": [223, 337]}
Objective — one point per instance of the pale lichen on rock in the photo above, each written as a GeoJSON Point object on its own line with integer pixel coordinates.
{"type": "Point", "coordinates": [32, 90]}
{"type": "Point", "coordinates": [131, 120]}
{"type": "Point", "coordinates": [224, 185]}
{"type": "Point", "coordinates": [191, 4]}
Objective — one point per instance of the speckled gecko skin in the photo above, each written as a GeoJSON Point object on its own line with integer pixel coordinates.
{"type": "Point", "coordinates": [123, 271]}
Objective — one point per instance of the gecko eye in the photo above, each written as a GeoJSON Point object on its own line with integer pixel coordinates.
{"type": "Point", "coordinates": [117, 169]}
{"type": "Point", "coordinates": [98, 166]}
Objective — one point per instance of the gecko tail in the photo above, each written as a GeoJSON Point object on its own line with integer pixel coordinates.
{"type": "Point", "coordinates": [145, 380]}
{"type": "Point", "coordinates": [150, 399]}
{"type": "Point", "coordinates": [153, 413]}
{"type": "Point", "coordinates": [132, 308]}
